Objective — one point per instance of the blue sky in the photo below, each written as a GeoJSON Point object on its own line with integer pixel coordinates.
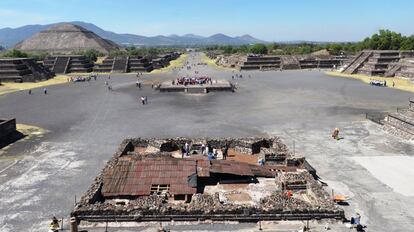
{"type": "Point", "coordinates": [272, 20]}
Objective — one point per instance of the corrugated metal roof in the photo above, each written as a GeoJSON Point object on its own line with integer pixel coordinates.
{"type": "Point", "coordinates": [203, 168]}
{"type": "Point", "coordinates": [135, 177]}
{"type": "Point", "coordinates": [239, 168]}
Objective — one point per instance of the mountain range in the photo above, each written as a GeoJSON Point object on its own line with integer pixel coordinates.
{"type": "Point", "coordinates": [11, 36]}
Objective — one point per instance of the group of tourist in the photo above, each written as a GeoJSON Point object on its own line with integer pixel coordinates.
{"type": "Point", "coordinates": [192, 81]}
{"type": "Point", "coordinates": [205, 150]}
{"type": "Point", "coordinates": [378, 82]}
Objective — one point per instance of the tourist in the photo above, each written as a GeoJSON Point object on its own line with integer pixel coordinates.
{"type": "Point", "coordinates": [335, 134]}
{"type": "Point", "coordinates": [54, 225]}
{"type": "Point", "coordinates": [44, 90]}
{"type": "Point", "coordinates": [225, 153]}
{"type": "Point", "coordinates": [109, 77]}
{"type": "Point", "coordinates": [30, 91]}
{"type": "Point", "coordinates": [106, 83]}
{"type": "Point", "coordinates": [143, 100]}
{"type": "Point", "coordinates": [393, 84]}
{"type": "Point", "coordinates": [203, 148]}
{"type": "Point", "coordinates": [146, 100]}
{"type": "Point", "coordinates": [187, 148]}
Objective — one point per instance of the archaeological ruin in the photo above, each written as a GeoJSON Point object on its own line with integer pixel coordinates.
{"type": "Point", "coordinates": [66, 38]}
{"type": "Point", "coordinates": [124, 64]}
{"type": "Point", "coordinates": [386, 63]}
{"type": "Point", "coordinates": [401, 123]}
{"type": "Point", "coordinates": [280, 62]}
{"type": "Point", "coordinates": [62, 64]}
{"type": "Point", "coordinates": [22, 70]}
{"type": "Point", "coordinates": [219, 179]}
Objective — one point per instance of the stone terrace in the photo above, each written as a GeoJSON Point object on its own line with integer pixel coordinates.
{"type": "Point", "coordinates": [23, 70]}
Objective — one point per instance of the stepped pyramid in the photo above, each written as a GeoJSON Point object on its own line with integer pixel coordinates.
{"type": "Point", "coordinates": [66, 38]}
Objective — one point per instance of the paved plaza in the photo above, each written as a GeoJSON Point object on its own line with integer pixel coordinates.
{"type": "Point", "coordinates": [85, 122]}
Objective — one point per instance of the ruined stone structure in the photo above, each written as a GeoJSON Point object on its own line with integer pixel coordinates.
{"type": "Point", "coordinates": [123, 64]}
{"type": "Point", "coordinates": [261, 62]}
{"type": "Point", "coordinates": [401, 123]}
{"type": "Point", "coordinates": [152, 180]}
{"type": "Point", "coordinates": [22, 70]}
{"type": "Point", "coordinates": [139, 64]}
{"type": "Point", "coordinates": [66, 38]}
{"type": "Point", "coordinates": [68, 64]}
{"type": "Point", "coordinates": [285, 62]}
{"type": "Point", "coordinates": [377, 63]}
{"type": "Point", "coordinates": [406, 69]}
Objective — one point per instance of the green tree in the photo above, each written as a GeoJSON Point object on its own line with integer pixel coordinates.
{"type": "Point", "coordinates": [335, 48]}
{"type": "Point", "coordinates": [228, 49]}
{"type": "Point", "coordinates": [408, 43]}
{"type": "Point", "coordinates": [258, 49]}
{"type": "Point", "coordinates": [15, 54]}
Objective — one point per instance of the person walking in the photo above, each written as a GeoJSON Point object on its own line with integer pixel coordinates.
{"type": "Point", "coordinates": [30, 92]}
{"type": "Point", "coordinates": [203, 148]}
{"type": "Point", "coordinates": [187, 148]}
{"type": "Point", "coordinates": [45, 91]}
{"type": "Point", "coordinates": [142, 100]}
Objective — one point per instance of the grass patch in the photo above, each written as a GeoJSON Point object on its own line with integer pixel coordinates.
{"type": "Point", "coordinates": [10, 87]}
{"type": "Point", "coordinates": [177, 63]}
{"type": "Point", "coordinates": [212, 63]}
{"type": "Point", "coordinates": [400, 84]}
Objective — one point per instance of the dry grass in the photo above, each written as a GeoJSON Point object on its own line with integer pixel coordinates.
{"type": "Point", "coordinates": [177, 63]}
{"type": "Point", "coordinates": [10, 87]}
{"type": "Point", "coordinates": [400, 84]}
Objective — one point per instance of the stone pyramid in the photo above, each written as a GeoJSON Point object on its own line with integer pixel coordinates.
{"type": "Point", "coordinates": [66, 38]}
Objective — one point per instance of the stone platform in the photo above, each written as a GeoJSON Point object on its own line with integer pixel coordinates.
{"type": "Point", "coordinates": [217, 85]}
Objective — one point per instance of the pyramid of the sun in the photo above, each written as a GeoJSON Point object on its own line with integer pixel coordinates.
{"type": "Point", "coordinates": [66, 38]}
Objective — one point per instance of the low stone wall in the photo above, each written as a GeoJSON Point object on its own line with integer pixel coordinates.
{"type": "Point", "coordinates": [401, 122]}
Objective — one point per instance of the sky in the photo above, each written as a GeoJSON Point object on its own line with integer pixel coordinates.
{"type": "Point", "coordinates": [271, 20]}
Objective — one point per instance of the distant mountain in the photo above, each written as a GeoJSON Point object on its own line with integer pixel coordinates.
{"type": "Point", "coordinates": [11, 36]}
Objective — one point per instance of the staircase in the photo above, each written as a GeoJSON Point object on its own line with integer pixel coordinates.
{"type": "Point", "coordinates": [392, 70]}
{"type": "Point", "coordinates": [61, 64]}
{"type": "Point", "coordinates": [120, 64]}
{"type": "Point", "coordinates": [357, 62]}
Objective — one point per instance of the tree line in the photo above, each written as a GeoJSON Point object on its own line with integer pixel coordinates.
{"type": "Point", "coordinates": [383, 40]}
{"type": "Point", "coordinates": [94, 54]}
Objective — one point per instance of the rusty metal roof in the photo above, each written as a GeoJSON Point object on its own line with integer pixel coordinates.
{"type": "Point", "coordinates": [132, 177]}
{"type": "Point", "coordinates": [203, 168]}
{"type": "Point", "coordinates": [238, 168]}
